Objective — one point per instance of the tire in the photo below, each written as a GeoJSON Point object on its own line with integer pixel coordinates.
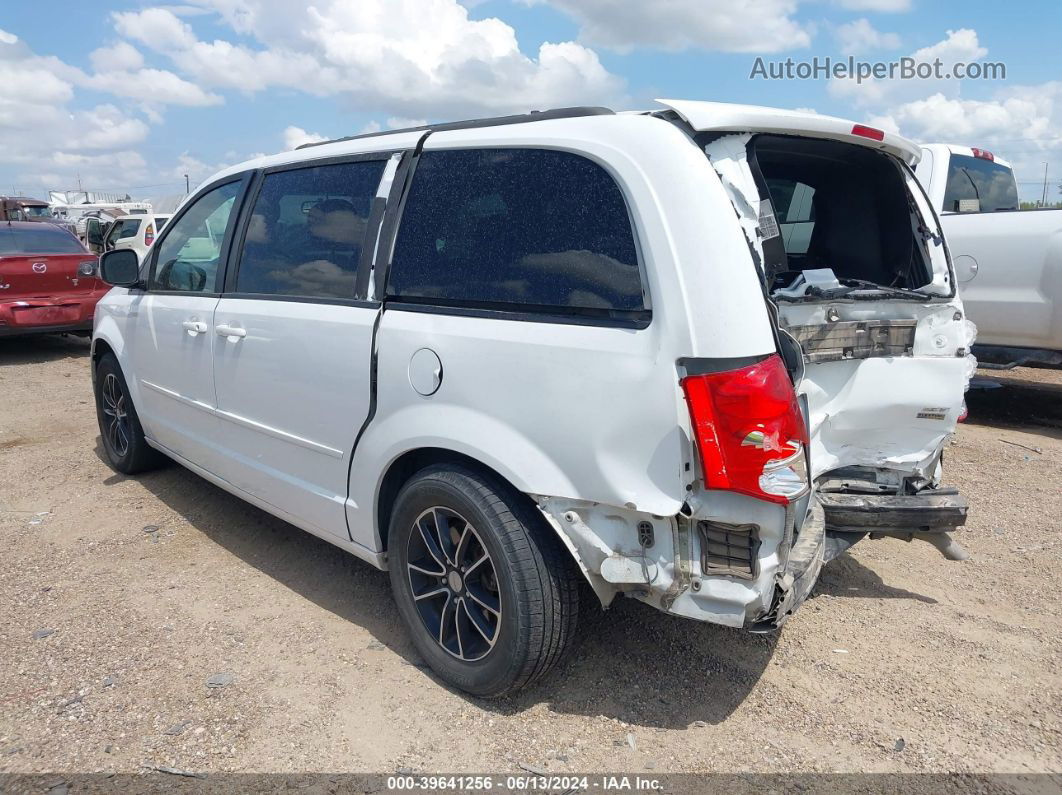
{"type": "Point", "coordinates": [528, 577]}
{"type": "Point", "coordinates": [123, 437]}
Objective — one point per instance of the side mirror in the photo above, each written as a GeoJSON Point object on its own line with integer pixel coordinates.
{"type": "Point", "coordinates": [94, 231]}
{"type": "Point", "coordinates": [120, 267]}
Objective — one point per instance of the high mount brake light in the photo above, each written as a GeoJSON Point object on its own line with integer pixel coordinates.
{"type": "Point", "coordinates": [749, 430]}
{"type": "Point", "coordinates": [868, 132]}
{"type": "Point", "coordinates": [984, 154]}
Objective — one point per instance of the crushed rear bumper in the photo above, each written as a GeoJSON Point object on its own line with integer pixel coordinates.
{"type": "Point", "coordinates": [931, 509]}
{"type": "Point", "coordinates": [927, 516]}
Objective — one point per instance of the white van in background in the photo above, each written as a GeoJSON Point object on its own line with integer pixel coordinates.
{"type": "Point", "coordinates": [1008, 262]}
{"type": "Point", "coordinates": [528, 361]}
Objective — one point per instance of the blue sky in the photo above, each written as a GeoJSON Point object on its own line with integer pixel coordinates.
{"type": "Point", "coordinates": [132, 95]}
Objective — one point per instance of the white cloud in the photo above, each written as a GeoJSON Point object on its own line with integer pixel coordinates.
{"type": "Point", "coordinates": [886, 6]}
{"type": "Point", "coordinates": [294, 137]}
{"type": "Point", "coordinates": [859, 36]}
{"type": "Point", "coordinates": [49, 141]}
{"type": "Point", "coordinates": [64, 170]}
{"type": "Point", "coordinates": [158, 86]}
{"type": "Point", "coordinates": [156, 27]}
{"type": "Point", "coordinates": [969, 121]}
{"type": "Point", "coordinates": [402, 59]}
{"type": "Point", "coordinates": [196, 169]}
{"type": "Point", "coordinates": [958, 46]}
{"type": "Point", "coordinates": [119, 57]}
{"type": "Point", "coordinates": [398, 122]}
{"type": "Point", "coordinates": [751, 26]}
{"type": "Point", "coordinates": [408, 58]}
{"type": "Point", "coordinates": [30, 84]}
{"type": "Point", "coordinates": [105, 127]}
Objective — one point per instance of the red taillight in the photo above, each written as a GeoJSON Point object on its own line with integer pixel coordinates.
{"type": "Point", "coordinates": [868, 132]}
{"type": "Point", "coordinates": [984, 154]}
{"type": "Point", "coordinates": [964, 412]}
{"type": "Point", "coordinates": [149, 235]}
{"type": "Point", "coordinates": [749, 430]}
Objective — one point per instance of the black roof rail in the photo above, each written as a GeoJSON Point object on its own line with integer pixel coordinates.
{"type": "Point", "coordinates": [496, 121]}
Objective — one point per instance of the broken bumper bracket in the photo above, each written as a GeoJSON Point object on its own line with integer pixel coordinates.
{"type": "Point", "coordinates": [927, 516]}
{"type": "Point", "coordinates": [802, 572]}
{"type": "Point", "coordinates": [930, 510]}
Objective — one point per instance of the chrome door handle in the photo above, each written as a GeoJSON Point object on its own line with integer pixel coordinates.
{"type": "Point", "coordinates": [194, 327]}
{"type": "Point", "coordinates": [230, 331]}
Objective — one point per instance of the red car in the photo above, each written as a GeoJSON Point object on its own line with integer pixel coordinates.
{"type": "Point", "coordinates": [48, 280]}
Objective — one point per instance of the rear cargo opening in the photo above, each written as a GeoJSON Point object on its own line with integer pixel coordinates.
{"type": "Point", "coordinates": [857, 276]}
{"type": "Point", "coordinates": [836, 220]}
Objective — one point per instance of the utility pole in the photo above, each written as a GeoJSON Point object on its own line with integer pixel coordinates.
{"type": "Point", "coordinates": [1043, 201]}
{"type": "Point", "coordinates": [187, 190]}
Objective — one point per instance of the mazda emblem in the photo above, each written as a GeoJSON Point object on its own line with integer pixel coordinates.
{"type": "Point", "coordinates": [40, 267]}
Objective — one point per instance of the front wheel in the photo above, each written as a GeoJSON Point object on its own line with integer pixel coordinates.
{"type": "Point", "coordinates": [488, 594]}
{"type": "Point", "coordinates": [123, 438]}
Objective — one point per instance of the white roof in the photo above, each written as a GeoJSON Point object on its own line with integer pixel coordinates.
{"type": "Point", "coordinates": [700, 115]}
{"type": "Point", "coordinates": [142, 216]}
{"type": "Point", "coordinates": [723, 116]}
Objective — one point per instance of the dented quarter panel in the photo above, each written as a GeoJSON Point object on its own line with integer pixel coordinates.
{"type": "Point", "coordinates": [668, 575]}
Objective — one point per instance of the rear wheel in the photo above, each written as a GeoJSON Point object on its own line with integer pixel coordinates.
{"type": "Point", "coordinates": [487, 592]}
{"type": "Point", "coordinates": [123, 438]}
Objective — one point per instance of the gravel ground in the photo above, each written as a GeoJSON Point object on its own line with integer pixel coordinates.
{"type": "Point", "coordinates": [160, 621]}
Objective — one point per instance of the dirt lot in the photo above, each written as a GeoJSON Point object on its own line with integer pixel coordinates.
{"type": "Point", "coordinates": [901, 662]}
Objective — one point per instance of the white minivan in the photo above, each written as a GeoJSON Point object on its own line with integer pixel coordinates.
{"type": "Point", "coordinates": [683, 356]}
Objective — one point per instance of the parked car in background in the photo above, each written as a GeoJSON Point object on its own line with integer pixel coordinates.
{"type": "Point", "coordinates": [91, 228]}
{"type": "Point", "coordinates": [518, 360]}
{"type": "Point", "coordinates": [137, 232]}
{"type": "Point", "coordinates": [1008, 261]}
{"type": "Point", "coordinates": [22, 208]}
{"type": "Point", "coordinates": [48, 280]}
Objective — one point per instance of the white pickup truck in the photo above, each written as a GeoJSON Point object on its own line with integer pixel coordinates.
{"type": "Point", "coordinates": [1008, 262]}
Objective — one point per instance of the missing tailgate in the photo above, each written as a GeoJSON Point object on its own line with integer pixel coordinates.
{"type": "Point", "coordinates": [837, 222]}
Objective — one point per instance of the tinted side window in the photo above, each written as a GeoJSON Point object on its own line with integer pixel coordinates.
{"type": "Point", "coordinates": [189, 254]}
{"type": "Point", "coordinates": [128, 229]}
{"type": "Point", "coordinates": [305, 234]}
{"type": "Point", "coordinates": [534, 228]}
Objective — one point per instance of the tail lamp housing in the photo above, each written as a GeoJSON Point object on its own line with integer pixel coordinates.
{"type": "Point", "coordinates": [149, 235]}
{"type": "Point", "coordinates": [749, 430]}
